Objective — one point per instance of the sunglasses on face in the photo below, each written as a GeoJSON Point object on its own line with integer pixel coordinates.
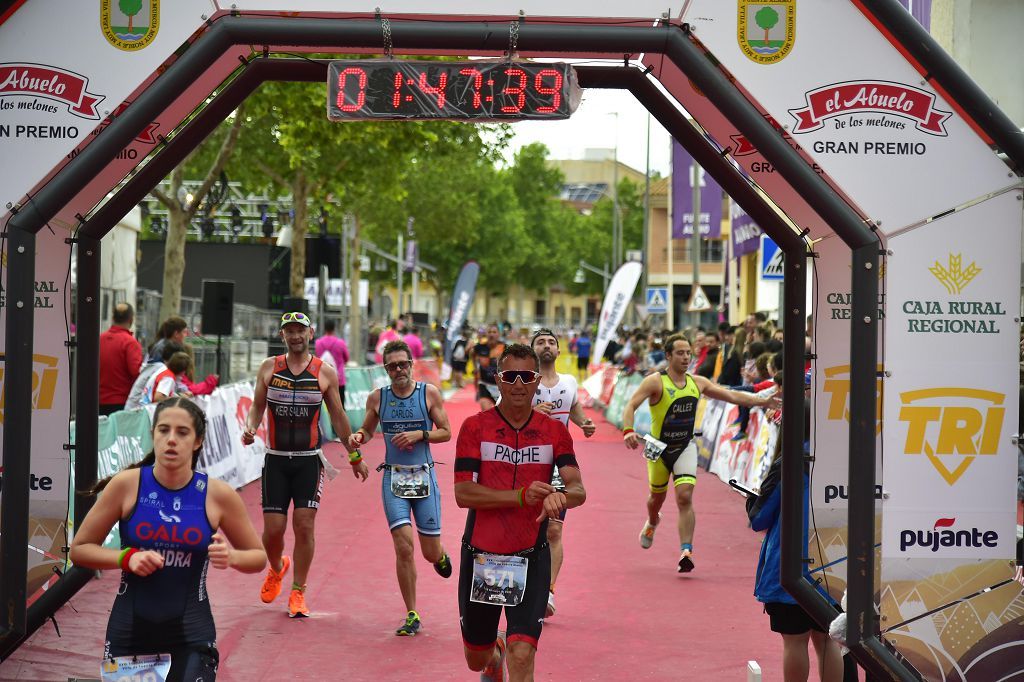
{"type": "Point", "coordinates": [295, 317]}
{"type": "Point", "coordinates": [401, 365]}
{"type": "Point", "coordinates": [525, 376]}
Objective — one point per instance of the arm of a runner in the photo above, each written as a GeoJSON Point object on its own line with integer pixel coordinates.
{"type": "Point", "coordinates": [364, 434]}
{"type": "Point", "coordinates": [442, 432]}
{"type": "Point", "coordinates": [741, 398]}
{"type": "Point", "coordinates": [649, 390]}
{"type": "Point", "coordinates": [574, 494]}
{"type": "Point", "coordinates": [581, 420]}
{"type": "Point", "coordinates": [245, 552]}
{"type": "Point", "coordinates": [111, 506]}
{"type": "Point", "coordinates": [259, 402]}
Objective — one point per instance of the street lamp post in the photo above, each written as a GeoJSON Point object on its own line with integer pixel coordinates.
{"type": "Point", "coordinates": [605, 273]}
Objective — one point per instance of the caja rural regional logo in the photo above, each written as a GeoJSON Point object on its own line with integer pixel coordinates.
{"type": "Point", "coordinates": [952, 426]}
{"type": "Point", "coordinates": [130, 25]}
{"type": "Point", "coordinates": [766, 31]}
{"type": "Point", "coordinates": [953, 276]}
{"type": "Point", "coordinates": [871, 97]}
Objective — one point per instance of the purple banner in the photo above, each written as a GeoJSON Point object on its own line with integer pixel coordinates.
{"type": "Point", "coordinates": [746, 235]}
{"type": "Point", "coordinates": [922, 11]}
{"type": "Point", "coordinates": [682, 199]}
{"type": "Point", "coordinates": [412, 252]}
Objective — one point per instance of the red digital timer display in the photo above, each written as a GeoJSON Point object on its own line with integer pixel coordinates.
{"type": "Point", "coordinates": [479, 90]}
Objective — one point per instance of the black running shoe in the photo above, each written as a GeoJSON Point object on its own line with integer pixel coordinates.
{"type": "Point", "coordinates": [444, 567]}
{"type": "Point", "coordinates": [686, 561]}
{"type": "Point", "coordinates": [411, 625]}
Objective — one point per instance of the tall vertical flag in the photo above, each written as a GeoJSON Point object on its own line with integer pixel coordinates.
{"type": "Point", "coordinates": [462, 301]}
{"type": "Point", "coordinates": [682, 198]}
{"type": "Point", "coordinates": [616, 299]}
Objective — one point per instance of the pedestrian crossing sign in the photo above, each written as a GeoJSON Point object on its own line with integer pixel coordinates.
{"type": "Point", "coordinates": [657, 300]}
{"type": "Point", "coordinates": [699, 301]}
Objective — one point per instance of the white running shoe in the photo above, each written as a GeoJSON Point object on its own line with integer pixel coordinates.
{"type": "Point", "coordinates": [550, 611]}
{"type": "Point", "coordinates": [647, 534]}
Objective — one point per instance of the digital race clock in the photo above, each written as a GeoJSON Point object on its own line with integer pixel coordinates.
{"type": "Point", "coordinates": [479, 90]}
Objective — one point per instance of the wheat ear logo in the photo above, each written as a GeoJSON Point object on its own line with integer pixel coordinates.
{"type": "Point", "coordinates": [954, 277]}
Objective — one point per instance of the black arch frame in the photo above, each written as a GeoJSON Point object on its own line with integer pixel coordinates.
{"type": "Point", "coordinates": [674, 43]}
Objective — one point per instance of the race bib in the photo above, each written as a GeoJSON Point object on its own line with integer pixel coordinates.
{"type": "Point", "coordinates": [498, 580]}
{"type": "Point", "coordinates": [410, 482]}
{"type": "Point", "coordinates": [148, 668]}
{"type": "Point", "coordinates": [653, 447]}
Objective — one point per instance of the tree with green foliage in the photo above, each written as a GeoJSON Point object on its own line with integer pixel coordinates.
{"type": "Point", "coordinates": [766, 18]}
{"type": "Point", "coordinates": [291, 148]}
{"type": "Point", "coordinates": [130, 8]}
{"type": "Point", "coordinates": [212, 155]}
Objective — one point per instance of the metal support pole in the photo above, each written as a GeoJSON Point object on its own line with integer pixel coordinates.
{"type": "Point", "coordinates": [87, 400]}
{"type": "Point", "coordinates": [17, 438]}
{"type": "Point", "coordinates": [695, 171]}
{"type": "Point", "coordinates": [399, 263]}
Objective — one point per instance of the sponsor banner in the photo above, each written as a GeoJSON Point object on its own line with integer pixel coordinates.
{"type": "Point", "coordinates": [872, 124]}
{"type": "Point", "coordinates": [951, 414]}
{"type": "Point", "coordinates": [591, 388]}
{"type": "Point", "coordinates": [955, 620]}
{"type": "Point", "coordinates": [625, 387]}
{"type": "Point", "coordinates": [462, 302]}
{"type": "Point", "coordinates": [61, 79]}
{"type": "Point", "coordinates": [51, 403]}
{"type": "Point", "coordinates": [830, 416]}
{"type": "Point", "coordinates": [746, 460]}
{"type": "Point", "coordinates": [745, 234]}
{"type": "Point", "coordinates": [616, 299]}
{"type": "Point", "coordinates": [682, 198]}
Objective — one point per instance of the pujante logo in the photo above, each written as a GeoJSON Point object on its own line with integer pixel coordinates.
{"type": "Point", "coordinates": [130, 25]}
{"type": "Point", "coordinates": [954, 277]}
{"type": "Point", "coordinates": [869, 96]}
{"type": "Point", "coordinates": [48, 82]}
{"type": "Point", "coordinates": [952, 426]}
{"type": "Point", "coordinates": [766, 31]}
{"type": "Point", "coordinates": [947, 537]}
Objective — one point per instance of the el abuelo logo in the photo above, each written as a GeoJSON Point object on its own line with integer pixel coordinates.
{"type": "Point", "coordinates": [39, 81]}
{"type": "Point", "coordinates": [952, 426]}
{"type": "Point", "coordinates": [766, 31]}
{"type": "Point", "coordinates": [947, 537]}
{"type": "Point", "coordinates": [871, 105]}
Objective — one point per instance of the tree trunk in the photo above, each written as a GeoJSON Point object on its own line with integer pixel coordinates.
{"type": "Point", "coordinates": [355, 321]}
{"type": "Point", "coordinates": [174, 261]}
{"type": "Point", "coordinates": [300, 193]}
{"type": "Point", "coordinates": [131, 17]}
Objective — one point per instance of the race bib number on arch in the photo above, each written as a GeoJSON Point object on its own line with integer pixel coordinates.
{"type": "Point", "coordinates": [148, 668]}
{"type": "Point", "coordinates": [498, 580]}
{"type": "Point", "coordinates": [410, 482]}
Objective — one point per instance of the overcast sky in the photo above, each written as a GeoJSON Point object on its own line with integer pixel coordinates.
{"type": "Point", "coordinates": [594, 125]}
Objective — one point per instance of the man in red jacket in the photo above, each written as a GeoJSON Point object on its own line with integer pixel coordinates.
{"type": "Point", "coordinates": [120, 360]}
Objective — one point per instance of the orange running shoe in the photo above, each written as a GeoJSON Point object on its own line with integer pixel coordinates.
{"type": "Point", "coordinates": [297, 605]}
{"type": "Point", "coordinates": [272, 583]}
{"type": "Point", "coordinates": [496, 673]}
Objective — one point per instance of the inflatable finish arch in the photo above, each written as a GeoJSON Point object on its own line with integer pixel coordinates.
{"type": "Point", "coordinates": [136, 89]}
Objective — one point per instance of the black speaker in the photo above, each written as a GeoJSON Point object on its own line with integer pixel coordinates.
{"type": "Point", "coordinates": [218, 307]}
{"type": "Point", "coordinates": [294, 304]}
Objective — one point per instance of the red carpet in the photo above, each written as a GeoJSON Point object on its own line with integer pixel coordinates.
{"type": "Point", "coordinates": [623, 612]}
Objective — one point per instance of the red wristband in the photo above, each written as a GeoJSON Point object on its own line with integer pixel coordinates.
{"type": "Point", "coordinates": [126, 557]}
{"type": "Point", "coordinates": [626, 431]}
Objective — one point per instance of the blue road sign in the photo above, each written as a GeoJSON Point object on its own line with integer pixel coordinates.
{"type": "Point", "coordinates": [657, 300]}
{"type": "Point", "coordinates": [771, 260]}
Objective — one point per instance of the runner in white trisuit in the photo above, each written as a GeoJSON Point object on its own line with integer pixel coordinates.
{"type": "Point", "coordinates": [556, 397]}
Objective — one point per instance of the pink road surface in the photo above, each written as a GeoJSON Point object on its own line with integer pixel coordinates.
{"type": "Point", "coordinates": [624, 613]}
